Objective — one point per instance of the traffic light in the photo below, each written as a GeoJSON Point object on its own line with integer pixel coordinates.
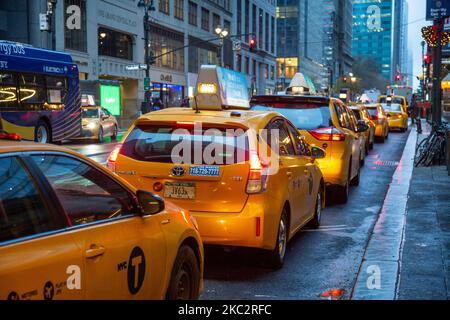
{"type": "Point", "coordinates": [427, 58]}
{"type": "Point", "coordinates": [152, 59]}
{"type": "Point", "coordinates": [252, 44]}
{"type": "Point", "coordinates": [398, 77]}
{"type": "Point", "coordinates": [344, 79]}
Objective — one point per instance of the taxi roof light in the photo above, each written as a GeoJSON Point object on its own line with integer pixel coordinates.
{"type": "Point", "coordinates": [207, 88]}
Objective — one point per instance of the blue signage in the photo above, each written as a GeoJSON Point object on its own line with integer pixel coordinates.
{"type": "Point", "coordinates": [437, 9]}
{"type": "Point", "coordinates": [233, 87]}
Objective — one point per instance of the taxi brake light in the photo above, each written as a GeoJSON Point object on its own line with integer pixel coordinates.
{"type": "Point", "coordinates": [327, 134]}
{"type": "Point", "coordinates": [257, 180]}
{"type": "Point", "coordinates": [111, 163]}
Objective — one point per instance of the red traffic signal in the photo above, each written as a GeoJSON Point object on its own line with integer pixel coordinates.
{"type": "Point", "coordinates": [344, 78]}
{"type": "Point", "coordinates": [398, 77]}
{"type": "Point", "coordinates": [252, 44]}
{"type": "Point", "coordinates": [427, 58]}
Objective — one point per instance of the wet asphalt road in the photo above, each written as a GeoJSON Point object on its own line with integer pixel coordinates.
{"type": "Point", "coordinates": [316, 260]}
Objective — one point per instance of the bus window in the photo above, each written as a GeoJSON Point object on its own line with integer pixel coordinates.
{"type": "Point", "coordinates": [56, 89]}
{"type": "Point", "coordinates": [32, 91]}
{"type": "Point", "coordinates": [8, 91]}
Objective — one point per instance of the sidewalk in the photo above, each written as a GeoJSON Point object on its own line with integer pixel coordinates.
{"type": "Point", "coordinates": [425, 256]}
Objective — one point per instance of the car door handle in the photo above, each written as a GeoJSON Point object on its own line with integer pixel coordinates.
{"type": "Point", "coordinates": [94, 252]}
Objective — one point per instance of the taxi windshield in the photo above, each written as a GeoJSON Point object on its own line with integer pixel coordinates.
{"type": "Point", "coordinates": [392, 107]}
{"type": "Point", "coordinates": [169, 144]}
{"type": "Point", "coordinates": [89, 113]}
{"type": "Point", "coordinates": [305, 116]}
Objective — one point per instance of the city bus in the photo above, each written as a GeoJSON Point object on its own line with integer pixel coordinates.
{"type": "Point", "coordinates": [39, 93]}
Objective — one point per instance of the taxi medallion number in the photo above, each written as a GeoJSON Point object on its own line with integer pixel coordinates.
{"type": "Point", "coordinates": [179, 190]}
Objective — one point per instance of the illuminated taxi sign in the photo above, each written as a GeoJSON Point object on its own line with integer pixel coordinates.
{"type": "Point", "coordinates": [297, 90]}
{"type": "Point", "coordinates": [207, 88]}
{"type": "Point", "coordinates": [342, 96]}
{"type": "Point", "coordinates": [219, 88]}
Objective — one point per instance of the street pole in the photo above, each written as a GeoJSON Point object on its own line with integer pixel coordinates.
{"type": "Point", "coordinates": [422, 82]}
{"type": "Point", "coordinates": [436, 92]}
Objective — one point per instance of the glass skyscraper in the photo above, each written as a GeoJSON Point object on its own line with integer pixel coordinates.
{"type": "Point", "coordinates": [373, 34]}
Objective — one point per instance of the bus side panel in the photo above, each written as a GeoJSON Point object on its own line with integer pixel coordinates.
{"type": "Point", "coordinates": [67, 124]}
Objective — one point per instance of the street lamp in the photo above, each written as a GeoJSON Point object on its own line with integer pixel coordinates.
{"type": "Point", "coordinates": [148, 6]}
{"type": "Point", "coordinates": [222, 33]}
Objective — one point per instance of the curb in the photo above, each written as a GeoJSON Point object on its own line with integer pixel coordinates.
{"type": "Point", "coordinates": [378, 274]}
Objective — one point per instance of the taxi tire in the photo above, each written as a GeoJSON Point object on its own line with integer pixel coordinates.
{"type": "Point", "coordinates": [355, 181]}
{"type": "Point", "coordinates": [185, 265]}
{"type": "Point", "coordinates": [100, 135]}
{"type": "Point", "coordinates": [114, 134]}
{"type": "Point", "coordinates": [275, 259]}
{"type": "Point", "coordinates": [315, 222]}
{"type": "Point", "coordinates": [343, 192]}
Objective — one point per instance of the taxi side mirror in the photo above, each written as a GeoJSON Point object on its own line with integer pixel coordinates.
{"type": "Point", "coordinates": [149, 203]}
{"type": "Point", "coordinates": [362, 126]}
{"type": "Point", "coordinates": [317, 153]}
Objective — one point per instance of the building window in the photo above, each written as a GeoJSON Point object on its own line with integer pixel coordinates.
{"type": "Point", "coordinates": [266, 71]}
{"type": "Point", "coordinates": [239, 17]}
{"type": "Point", "coordinates": [254, 68]}
{"type": "Point", "coordinates": [247, 65]}
{"type": "Point", "coordinates": [254, 20]}
{"type": "Point", "coordinates": [164, 6]}
{"type": "Point", "coordinates": [163, 43]}
{"type": "Point", "coordinates": [75, 39]}
{"type": "Point", "coordinates": [238, 62]}
{"type": "Point", "coordinates": [205, 19]}
{"type": "Point", "coordinates": [272, 73]}
{"type": "Point", "coordinates": [115, 44]}
{"type": "Point", "coordinates": [216, 21]}
{"type": "Point", "coordinates": [260, 25]}
{"type": "Point", "coordinates": [266, 30]}
{"type": "Point", "coordinates": [192, 13]}
{"type": "Point", "coordinates": [179, 9]}
{"type": "Point", "coordinates": [272, 35]}
{"type": "Point", "coordinates": [247, 23]}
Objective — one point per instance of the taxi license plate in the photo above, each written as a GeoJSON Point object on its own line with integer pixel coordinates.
{"type": "Point", "coordinates": [179, 190]}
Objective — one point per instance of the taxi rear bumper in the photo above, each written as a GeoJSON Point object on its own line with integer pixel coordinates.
{"type": "Point", "coordinates": [255, 226]}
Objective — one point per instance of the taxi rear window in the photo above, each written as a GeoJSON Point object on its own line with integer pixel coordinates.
{"type": "Point", "coordinates": [305, 116]}
{"type": "Point", "coordinates": [179, 144]}
{"type": "Point", "coordinates": [393, 100]}
{"type": "Point", "coordinates": [372, 111]}
{"type": "Point", "coordinates": [392, 107]}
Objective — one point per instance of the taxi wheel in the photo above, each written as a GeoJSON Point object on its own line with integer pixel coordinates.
{"type": "Point", "coordinates": [315, 222]}
{"type": "Point", "coordinates": [100, 135]}
{"type": "Point", "coordinates": [362, 158]}
{"type": "Point", "coordinates": [276, 257]}
{"type": "Point", "coordinates": [343, 192]}
{"type": "Point", "coordinates": [382, 139]}
{"type": "Point", "coordinates": [355, 181]}
{"type": "Point", "coordinates": [114, 135]}
{"type": "Point", "coordinates": [185, 277]}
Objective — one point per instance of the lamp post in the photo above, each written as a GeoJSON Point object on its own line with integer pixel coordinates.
{"type": "Point", "coordinates": [222, 33]}
{"type": "Point", "coordinates": [422, 82]}
{"type": "Point", "coordinates": [51, 6]}
{"type": "Point", "coordinates": [148, 6]}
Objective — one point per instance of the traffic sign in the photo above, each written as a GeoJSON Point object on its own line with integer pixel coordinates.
{"type": "Point", "coordinates": [146, 84]}
{"type": "Point", "coordinates": [437, 9]}
{"type": "Point", "coordinates": [237, 45]}
{"type": "Point", "coordinates": [134, 67]}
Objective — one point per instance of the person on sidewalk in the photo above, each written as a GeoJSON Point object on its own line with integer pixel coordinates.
{"type": "Point", "coordinates": [412, 108]}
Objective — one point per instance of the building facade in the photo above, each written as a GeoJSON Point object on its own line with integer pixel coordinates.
{"type": "Point", "coordinates": [380, 32]}
{"type": "Point", "coordinates": [314, 37]}
{"type": "Point", "coordinates": [106, 41]}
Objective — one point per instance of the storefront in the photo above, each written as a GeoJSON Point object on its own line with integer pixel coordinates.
{"type": "Point", "coordinates": [170, 88]}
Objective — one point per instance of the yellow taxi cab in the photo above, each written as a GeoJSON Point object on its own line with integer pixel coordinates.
{"type": "Point", "coordinates": [388, 99]}
{"type": "Point", "coordinates": [246, 176]}
{"type": "Point", "coordinates": [379, 118]}
{"type": "Point", "coordinates": [325, 123]}
{"type": "Point", "coordinates": [362, 114]}
{"type": "Point", "coordinates": [397, 118]}
{"type": "Point", "coordinates": [70, 229]}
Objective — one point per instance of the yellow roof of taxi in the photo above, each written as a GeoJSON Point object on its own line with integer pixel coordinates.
{"type": "Point", "coordinates": [18, 146]}
{"type": "Point", "coordinates": [248, 118]}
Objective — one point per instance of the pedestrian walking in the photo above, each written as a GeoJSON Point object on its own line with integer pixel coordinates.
{"type": "Point", "coordinates": [412, 108]}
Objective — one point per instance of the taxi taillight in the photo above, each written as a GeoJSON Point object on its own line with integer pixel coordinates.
{"type": "Point", "coordinates": [327, 134]}
{"type": "Point", "coordinates": [10, 136]}
{"type": "Point", "coordinates": [111, 163]}
{"type": "Point", "coordinates": [257, 178]}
